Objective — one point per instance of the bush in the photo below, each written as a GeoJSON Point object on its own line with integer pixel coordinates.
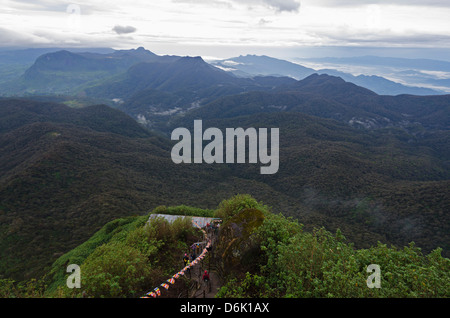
{"type": "Point", "coordinates": [294, 263]}
{"type": "Point", "coordinates": [229, 208]}
{"type": "Point", "coordinates": [127, 257]}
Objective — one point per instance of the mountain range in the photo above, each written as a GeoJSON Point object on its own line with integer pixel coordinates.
{"type": "Point", "coordinates": [427, 73]}
{"type": "Point", "coordinates": [252, 65]}
{"type": "Point", "coordinates": [331, 97]}
{"type": "Point", "coordinates": [60, 71]}
{"type": "Point", "coordinates": [374, 166]}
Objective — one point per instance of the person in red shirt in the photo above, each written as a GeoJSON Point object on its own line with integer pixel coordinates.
{"type": "Point", "coordinates": [205, 276]}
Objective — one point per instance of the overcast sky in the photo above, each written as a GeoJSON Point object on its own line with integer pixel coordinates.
{"type": "Point", "coordinates": [215, 27]}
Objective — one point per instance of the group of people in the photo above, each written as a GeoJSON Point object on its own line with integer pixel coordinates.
{"type": "Point", "coordinates": [211, 228]}
{"type": "Point", "coordinates": [187, 262]}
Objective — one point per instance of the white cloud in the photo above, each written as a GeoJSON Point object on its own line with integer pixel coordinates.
{"type": "Point", "coordinates": [284, 5]}
{"type": "Point", "coordinates": [359, 3]}
{"type": "Point", "coordinates": [277, 5]}
{"type": "Point", "coordinates": [220, 23]}
{"type": "Point", "coordinates": [14, 38]}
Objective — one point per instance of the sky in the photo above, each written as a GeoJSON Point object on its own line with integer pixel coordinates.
{"type": "Point", "coordinates": [223, 28]}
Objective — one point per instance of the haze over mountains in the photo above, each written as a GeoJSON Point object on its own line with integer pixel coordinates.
{"type": "Point", "coordinates": [375, 166]}
{"type": "Point", "coordinates": [251, 65]}
{"type": "Point", "coordinates": [149, 87]}
{"type": "Point", "coordinates": [52, 65]}
{"type": "Point", "coordinates": [429, 73]}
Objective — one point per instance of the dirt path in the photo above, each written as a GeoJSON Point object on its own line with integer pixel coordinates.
{"type": "Point", "coordinates": [203, 291]}
{"type": "Point", "coordinates": [215, 285]}
{"type": "Point", "coordinates": [197, 273]}
{"type": "Point", "coordinates": [195, 287]}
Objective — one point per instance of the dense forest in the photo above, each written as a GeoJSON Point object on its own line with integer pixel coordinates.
{"type": "Point", "coordinates": [65, 172]}
{"type": "Point", "coordinates": [258, 253]}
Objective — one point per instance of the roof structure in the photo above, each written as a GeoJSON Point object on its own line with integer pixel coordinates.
{"type": "Point", "coordinates": [201, 221]}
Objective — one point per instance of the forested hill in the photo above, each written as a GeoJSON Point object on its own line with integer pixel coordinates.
{"type": "Point", "coordinates": [255, 253]}
{"type": "Point", "coordinates": [16, 113]}
{"type": "Point", "coordinates": [331, 97]}
{"type": "Point", "coordinates": [67, 172]}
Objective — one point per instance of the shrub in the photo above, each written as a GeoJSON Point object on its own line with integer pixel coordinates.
{"type": "Point", "coordinates": [115, 270]}
{"type": "Point", "coordinates": [229, 208]}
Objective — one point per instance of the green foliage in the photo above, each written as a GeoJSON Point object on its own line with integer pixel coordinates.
{"type": "Point", "coordinates": [319, 264]}
{"type": "Point", "coordinates": [235, 246]}
{"type": "Point", "coordinates": [251, 286]}
{"type": "Point", "coordinates": [235, 249]}
{"type": "Point", "coordinates": [115, 270]}
{"type": "Point", "coordinates": [7, 288]}
{"type": "Point", "coordinates": [116, 230]}
{"type": "Point", "coordinates": [258, 254]}
{"type": "Point", "coordinates": [276, 231]}
{"type": "Point", "coordinates": [407, 272]}
{"type": "Point", "coordinates": [126, 257]}
{"type": "Point", "coordinates": [66, 172]}
{"type": "Point", "coordinates": [32, 288]}
{"type": "Point", "coordinates": [231, 207]}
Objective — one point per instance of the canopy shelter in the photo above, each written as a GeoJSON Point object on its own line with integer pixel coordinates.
{"type": "Point", "coordinates": [201, 221]}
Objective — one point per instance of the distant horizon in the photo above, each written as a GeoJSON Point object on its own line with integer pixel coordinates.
{"type": "Point", "coordinates": [411, 69]}
{"type": "Point", "coordinates": [227, 28]}
{"type": "Point", "coordinates": [207, 52]}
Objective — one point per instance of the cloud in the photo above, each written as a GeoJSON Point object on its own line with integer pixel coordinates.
{"type": "Point", "coordinates": [382, 38]}
{"type": "Point", "coordinates": [277, 5]}
{"type": "Point", "coordinates": [119, 29]}
{"type": "Point", "coordinates": [283, 5]}
{"type": "Point", "coordinates": [263, 21]}
{"type": "Point", "coordinates": [210, 3]}
{"type": "Point", "coordinates": [13, 38]}
{"type": "Point", "coordinates": [195, 23]}
{"type": "Point", "coordinates": [51, 38]}
{"type": "Point", "coordinates": [352, 3]}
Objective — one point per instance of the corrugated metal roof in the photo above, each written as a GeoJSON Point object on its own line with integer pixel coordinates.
{"type": "Point", "coordinates": [201, 221]}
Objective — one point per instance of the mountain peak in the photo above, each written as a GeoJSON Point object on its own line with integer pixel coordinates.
{"type": "Point", "coordinates": [58, 60]}
{"type": "Point", "coordinates": [329, 85]}
{"type": "Point", "coordinates": [196, 62]}
{"type": "Point", "coordinates": [323, 78]}
{"type": "Point", "coordinates": [58, 54]}
{"type": "Point", "coordinates": [139, 52]}
{"type": "Point", "coordinates": [197, 59]}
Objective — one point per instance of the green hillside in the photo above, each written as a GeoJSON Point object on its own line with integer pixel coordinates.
{"type": "Point", "coordinates": [257, 253]}
{"type": "Point", "coordinates": [64, 72]}
{"type": "Point", "coordinates": [66, 172]}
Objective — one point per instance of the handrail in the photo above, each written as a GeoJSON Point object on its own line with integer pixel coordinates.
{"type": "Point", "coordinates": [157, 292]}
